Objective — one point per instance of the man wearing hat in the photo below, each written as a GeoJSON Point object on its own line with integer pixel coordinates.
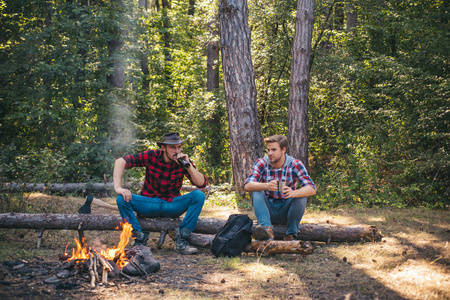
{"type": "Point", "coordinates": [160, 195]}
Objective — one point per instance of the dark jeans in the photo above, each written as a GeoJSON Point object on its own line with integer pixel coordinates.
{"type": "Point", "coordinates": [277, 211]}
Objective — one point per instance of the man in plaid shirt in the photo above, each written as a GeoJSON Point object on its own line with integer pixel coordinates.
{"type": "Point", "coordinates": [279, 185]}
{"type": "Point", "coordinates": [160, 195]}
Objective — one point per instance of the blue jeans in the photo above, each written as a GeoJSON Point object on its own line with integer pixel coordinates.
{"type": "Point", "coordinates": [190, 203]}
{"type": "Point", "coordinates": [269, 211]}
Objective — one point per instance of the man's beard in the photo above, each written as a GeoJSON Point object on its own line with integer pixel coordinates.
{"type": "Point", "coordinates": [173, 159]}
{"type": "Point", "coordinates": [273, 160]}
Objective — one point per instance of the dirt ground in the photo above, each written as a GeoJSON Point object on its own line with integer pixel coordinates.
{"type": "Point", "coordinates": [411, 262]}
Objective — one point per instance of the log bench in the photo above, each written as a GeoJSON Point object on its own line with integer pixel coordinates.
{"type": "Point", "coordinates": [202, 236]}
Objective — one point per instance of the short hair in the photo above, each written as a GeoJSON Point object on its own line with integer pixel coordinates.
{"type": "Point", "coordinates": [280, 139]}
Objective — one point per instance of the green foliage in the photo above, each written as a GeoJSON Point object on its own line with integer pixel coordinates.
{"type": "Point", "coordinates": [379, 130]}
{"type": "Point", "coordinates": [378, 116]}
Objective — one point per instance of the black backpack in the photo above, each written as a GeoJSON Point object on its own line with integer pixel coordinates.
{"type": "Point", "coordinates": [232, 238]}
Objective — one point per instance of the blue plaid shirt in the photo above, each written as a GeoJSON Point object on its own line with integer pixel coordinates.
{"type": "Point", "coordinates": [293, 173]}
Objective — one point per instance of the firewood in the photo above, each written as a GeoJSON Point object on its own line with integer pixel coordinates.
{"type": "Point", "coordinates": [91, 269]}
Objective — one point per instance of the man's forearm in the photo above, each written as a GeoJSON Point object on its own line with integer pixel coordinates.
{"type": "Point", "coordinates": [197, 178]}
{"type": "Point", "coordinates": [256, 186]}
{"type": "Point", "coordinates": [305, 191]}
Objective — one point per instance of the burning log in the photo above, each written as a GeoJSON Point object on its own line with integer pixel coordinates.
{"type": "Point", "coordinates": [312, 232]}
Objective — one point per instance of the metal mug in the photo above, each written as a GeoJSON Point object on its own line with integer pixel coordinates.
{"type": "Point", "coordinates": [281, 185]}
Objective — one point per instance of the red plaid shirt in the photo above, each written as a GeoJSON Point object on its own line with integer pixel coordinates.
{"type": "Point", "coordinates": [162, 180]}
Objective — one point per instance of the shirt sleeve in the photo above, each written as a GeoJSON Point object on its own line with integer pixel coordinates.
{"type": "Point", "coordinates": [302, 174]}
{"type": "Point", "coordinates": [256, 173]}
{"type": "Point", "coordinates": [138, 159]}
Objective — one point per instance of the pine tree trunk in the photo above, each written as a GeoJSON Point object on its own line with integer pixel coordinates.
{"type": "Point", "coordinates": [299, 82]}
{"type": "Point", "coordinates": [352, 16]}
{"type": "Point", "coordinates": [239, 80]}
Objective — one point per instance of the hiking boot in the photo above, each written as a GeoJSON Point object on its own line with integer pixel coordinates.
{"type": "Point", "coordinates": [288, 237]}
{"type": "Point", "coordinates": [263, 233]}
{"type": "Point", "coordinates": [181, 244]}
{"type": "Point", "coordinates": [140, 238]}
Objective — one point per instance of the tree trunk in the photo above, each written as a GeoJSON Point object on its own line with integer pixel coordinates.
{"type": "Point", "coordinates": [143, 55]}
{"type": "Point", "coordinates": [191, 9]}
{"type": "Point", "coordinates": [167, 38]}
{"type": "Point", "coordinates": [351, 16]}
{"type": "Point", "coordinates": [299, 82]}
{"type": "Point", "coordinates": [246, 142]}
{"type": "Point", "coordinates": [212, 52]}
{"type": "Point", "coordinates": [116, 78]}
{"type": "Point", "coordinates": [311, 232]}
{"type": "Point", "coordinates": [215, 143]}
{"type": "Point", "coordinates": [143, 4]}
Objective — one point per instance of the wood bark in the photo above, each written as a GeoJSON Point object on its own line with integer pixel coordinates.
{"type": "Point", "coordinates": [212, 53]}
{"type": "Point", "coordinates": [143, 55]}
{"type": "Point", "coordinates": [246, 142]}
{"type": "Point", "coordinates": [352, 16]}
{"type": "Point", "coordinates": [311, 232]}
{"type": "Point", "coordinates": [95, 187]}
{"type": "Point", "coordinates": [260, 247]}
{"type": "Point", "coordinates": [191, 9]}
{"type": "Point", "coordinates": [116, 78]}
{"type": "Point", "coordinates": [299, 82]}
{"type": "Point", "coordinates": [278, 247]}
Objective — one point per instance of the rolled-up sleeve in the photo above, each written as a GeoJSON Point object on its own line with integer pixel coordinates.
{"type": "Point", "coordinates": [302, 175]}
{"type": "Point", "coordinates": [256, 173]}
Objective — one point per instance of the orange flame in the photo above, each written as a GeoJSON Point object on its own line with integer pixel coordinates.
{"type": "Point", "coordinates": [112, 253]}
{"type": "Point", "coordinates": [82, 251]}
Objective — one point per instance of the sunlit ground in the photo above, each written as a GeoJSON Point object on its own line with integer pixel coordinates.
{"type": "Point", "coordinates": [411, 262]}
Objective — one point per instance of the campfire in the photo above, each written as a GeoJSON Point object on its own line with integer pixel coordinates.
{"type": "Point", "coordinates": [114, 261]}
{"type": "Point", "coordinates": [116, 254]}
{"type": "Point", "coordinates": [111, 259]}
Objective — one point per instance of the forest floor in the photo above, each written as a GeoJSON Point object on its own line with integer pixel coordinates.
{"type": "Point", "coordinates": [410, 262]}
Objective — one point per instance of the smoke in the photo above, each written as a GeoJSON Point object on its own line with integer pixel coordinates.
{"type": "Point", "coordinates": [124, 128]}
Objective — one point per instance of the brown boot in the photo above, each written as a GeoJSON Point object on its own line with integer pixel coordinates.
{"type": "Point", "coordinates": [263, 233]}
{"type": "Point", "coordinates": [288, 237]}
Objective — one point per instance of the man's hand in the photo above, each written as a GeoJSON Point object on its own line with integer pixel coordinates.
{"type": "Point", "coordinates": [287, 192]}
{"type": "Point", "coordinates": [185, 157]}
{"type": "Point", "coordinates": [273, 186]}
{"type": "Point", "coordinates": [305, 191]}
{"type": "Point", "coordinates": [125, 193]}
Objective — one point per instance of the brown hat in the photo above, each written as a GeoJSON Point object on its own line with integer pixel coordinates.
{"type": "Point", "coordinates": [172, 138]}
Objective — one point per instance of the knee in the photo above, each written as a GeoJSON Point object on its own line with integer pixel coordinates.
{"type": "Point", "coordinates": [299, 203]}
{"type": "Point", "coordinates": [198, 196]}
{"type": "Point", "coordinates": [258, 197]}
{"type": "Point", "coordinates": [120, 201]}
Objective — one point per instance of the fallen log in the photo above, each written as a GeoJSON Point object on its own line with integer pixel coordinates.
{"type": "Point", "coordinates": [278, 247]}
{"type": "Point", "coordinates": [312, 232]}
{"type": "Point", "coordinates": [260, 247]}
{"type": "Point", "coordinates": [97, 187]}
